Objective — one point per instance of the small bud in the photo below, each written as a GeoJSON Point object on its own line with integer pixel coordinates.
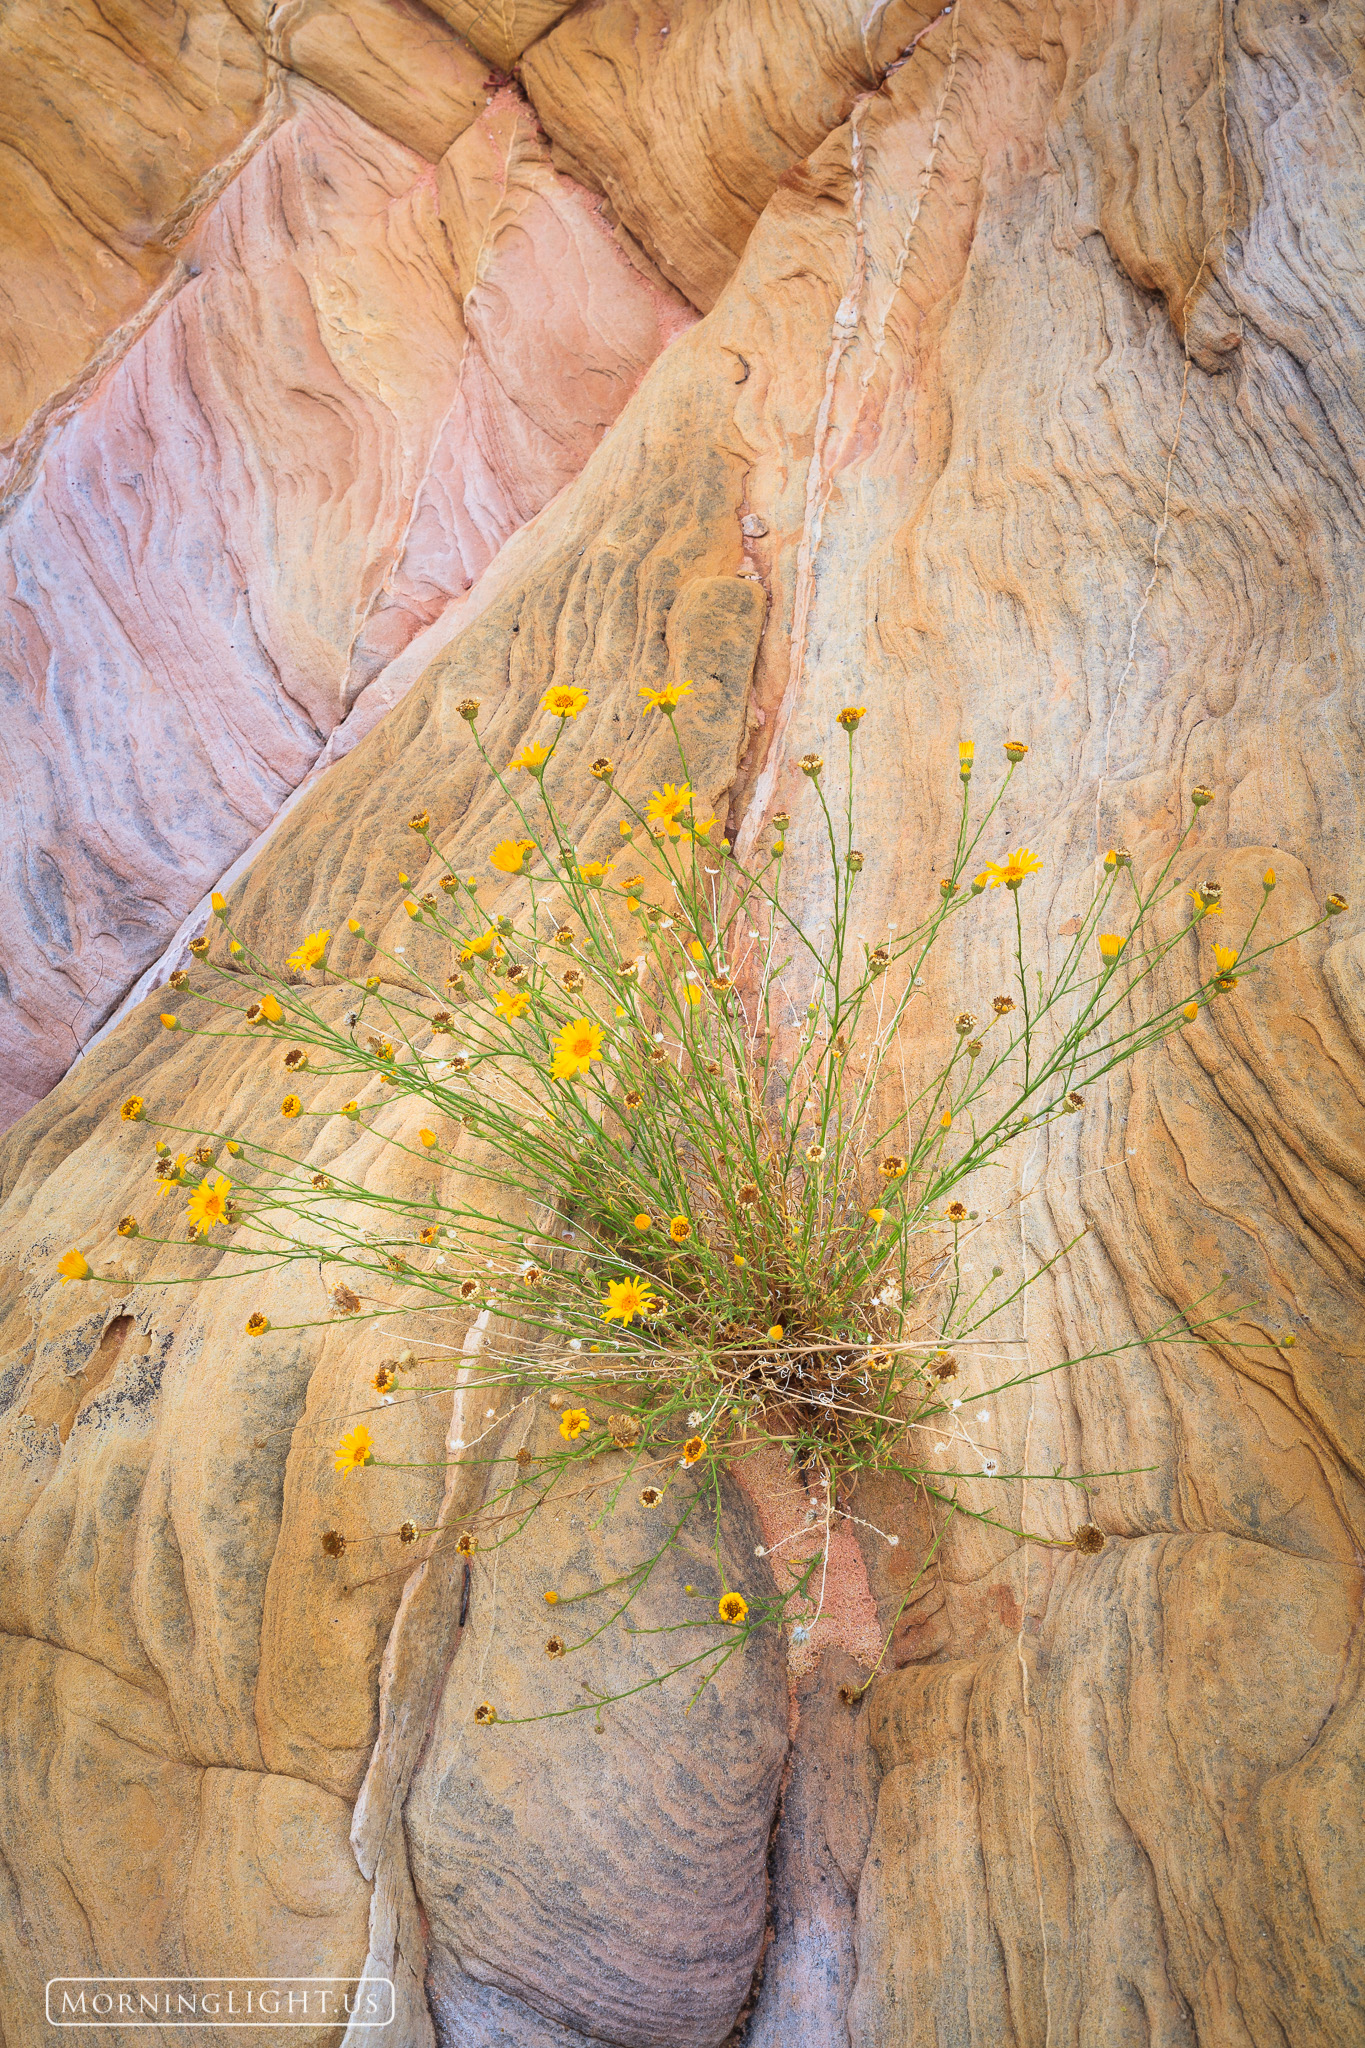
{"type": "Point", "coordinates": [855, 861]}
{"type": "Point", "coordinates": [811, 764]}
{"type": "Point", "coordinates": [1268, 880]}
{"type": "Point", "coordinates": [781, 820]}
{"type": "Point", "coordinates": [1015, 750]}
{"type": "Point", "coordinates": [947, 889]}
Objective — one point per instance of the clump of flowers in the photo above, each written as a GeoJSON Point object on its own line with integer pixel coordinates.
{"type": "Point", "coordinates": [730, 1233]}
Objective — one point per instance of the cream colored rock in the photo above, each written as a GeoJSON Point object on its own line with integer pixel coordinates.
{"type": "Point", "coordinates": [664, 109]}
{"type": "Point", "coordinates": [111, 121]}
{"type": "Point", "coordinates": [501, 29]}
{"type": "Point", "coordinates": [390, 61]}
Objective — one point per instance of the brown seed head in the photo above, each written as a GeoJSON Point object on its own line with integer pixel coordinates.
{"type": "Point", "coordinates": [565, 936]}
{"type": "Point", "coordinates": [467, 1544]}
{"type": "Point", "coordinates": [1003, 1005]}
{"type": "Point", "coordinates": [1088, 1539]}
{"type": "Point", "coordinates": [603, 769]}
{"type": "Point", "coordinates": [965, 1023]}
{"type": "Point", "coordinates": [468, 707]}
{"type": "Point", "coordinates": [555, 1647]}
{"type": "Point", "coordinates": [334, 1543]}
{"type": "Point", "coordinates": [485, 1714]}
{"type": "Point", "coordinates": [407, 1532]}
{"type": "Point", "coordinates": [180, 979]}
{"type": "Point", "coordinates": [624, 1431]}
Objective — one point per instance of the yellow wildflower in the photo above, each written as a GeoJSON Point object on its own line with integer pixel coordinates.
{"type": "Point", "coordinates": [270, 1009]}
{"type": "Point", "coordinates": [485, 943]}
{"type": "Point", "coordinates": [696, 949]}
{"type": "Point", "coordinates": [311, 951]}
{"type": "Point", "coordinates": [256, 1324]}
{"type": "Point", "coordinates": [291, 1106]}
{"type": "Point", "coordinates": [694, 1448]}
{"type": "Point", "coordinates": [644, 1221]}
{"type": "Point", "coordinates": [209, 1203]}
{"type": "Point", "coordinates": [626, 1299]}
{"type": "Point", "coordinates": [667, 699]}
{"type": "Point", "coordinates": [577, 1046]}
{"type": "Point", "coordinates": [531, 758]}
{"type": "Point", "coordinates": [1013, 869]}
{"type": "Point", "coordinates": [1110, 945]}
{"type": "Point", "coordinates": [776, 1333]}
{"type": "Point", "coordinates": [217, 903]}
{"type": "Point", "coordinates": [877, 1215]}
{"type": "Point", "coordinates": [594, 870]}
{"type": "Point", "coordinates": [733, 1608]}
{"type": "Point", "coordinates": [428, 1138]}
{"type": "Point", "coordinates": [512, 1003]}
{"type": "Point", "coordinates": [563, 701]}
{"type": "Point", "coordinates": [966, 753]}
{"type": "Point", "coordinates": [72, 1266]}
{"type": "Point", "coordinates": [573, 1422]}
{"type": "Point", "coordinates": [169, 1022]}
{"type": "Point", "coordinates": [131, 1111]}
{"type": "Point", "coordinates": [355, 1449]}
{"type": "Point", "coordinates": [666, 805]}
{"type": "Point", "coordinates": [509, 855]}
{"type": "Point", "coordinates": [680, 1230]}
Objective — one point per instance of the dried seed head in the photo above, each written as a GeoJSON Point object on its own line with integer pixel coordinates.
{"type": "Point", "coordinates": [892, 1167]}
{"type": "Point", "coordinates": [443, 1021]}
{"type": "Point", "coordinates": [957, 1212]}
{"type": "Point", "coordinates": [1003, 1005]}
{"type": "Point", "coordinates": [633, 1100]}
{"type": "Point", "coordinates": [419, 823]}
{"type": "Point", "coordinates": [468, 707]}
{"type": "Point", "coordinates": [334, 1543]}
{"type": "Point", "coordinates": [746, 1196]}
{"type": "Point", "coordinates": [1335, 905]}
{"type": "Point", "coordinates": [468, 1290]}
{"type": "Point", "coordinates": [603, 769]}
{"type": "Point", "coordinates": [855, 861]}
{"type": "Point", "coordinates": [555, 1647]}
{"type": "Point", "coordinates": [965, 1023]}
{"type": "Point", "coordinates": [1201, 795]}
{"type": "Point", "coordinates": [485, 1714]}
{"type": "Point", "coordinates": [811, 764]}
{"type": "Point", "coordinates": [467, 1544]}
{"type": "Point", "coordinates": [944, 1368]}
{"type": "Point", "coordinates": [407, 1532]}
{"type": "Point", "coordinates": [565, 937]}
{"type": "Point", "coordinates": [624, 1431]}
{"type": "Point", "coordinates": [127, 1226]}
{"type": "Point", "coordinates": [650, 1496]}
{"type": "Point", "coordinates": [523, 1456]}
{"type": "Point", "coordinates": [384, 1379]}
{"type": "Point", "coordinates": [180, 979]}
{"type": "Point", "coordinates": [346, 1302]}
{"type": "Point", "coordinates": [1088, 1539]}
{"type": "Point", "coordinates": [203, 1155]}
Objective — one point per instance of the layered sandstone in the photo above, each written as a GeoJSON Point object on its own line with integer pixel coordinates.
{"type": "Point", "coordinates": [1026, 404]}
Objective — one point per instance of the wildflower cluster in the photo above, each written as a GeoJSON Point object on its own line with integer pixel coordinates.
{"type": "Point", "coordinates": [727, 1233]}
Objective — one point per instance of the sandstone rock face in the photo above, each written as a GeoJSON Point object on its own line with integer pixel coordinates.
{"type": "Point", "coordinates": [371, 373]}
{"type": "Point", "coordinates": [1027, 401]}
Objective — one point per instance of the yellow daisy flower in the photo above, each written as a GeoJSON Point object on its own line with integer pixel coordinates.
{"type": "Point", "coordinates": [667, 699]}
{"type": "Point", "coordinates": [209, 1203]}
{"type": "Point", "coordinates": [355, 1449]}
{"type": "Point", "coordinates": [476, 948]}
{"type": "Point", "coordinates": [72, 1266]}
{"type": "Point", "coordinates": [573, 1422]}
{"type": "Point", "coordinates": [577, 1046]}
{"type": "Point", "coordinates": [666, 806]}
{"type": "Point", "coordinates": [733, 1608]}
{"type": "Point", "coordinates": [562, 701]}
{"type": "Point", "coordinates": [1110, 945]}
{"type": "Point", "coordinates": [626, 1299]}
{"type": "Point", "coordinates": [512, 1003]}
{"type": "Point", "coordinates": [509, 855]}
{"type": "Point", "coordinates": [1013, 869]}
{"type": "Point", "coordinates": [310, 952]}
{"type": "Point", "coordinates": [530, 757]}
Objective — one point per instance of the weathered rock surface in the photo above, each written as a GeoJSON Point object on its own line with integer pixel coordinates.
{"type": "Point", "coordinates": [376, 373]}
{"type": "Point", "coordinates": [1037, 380]}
